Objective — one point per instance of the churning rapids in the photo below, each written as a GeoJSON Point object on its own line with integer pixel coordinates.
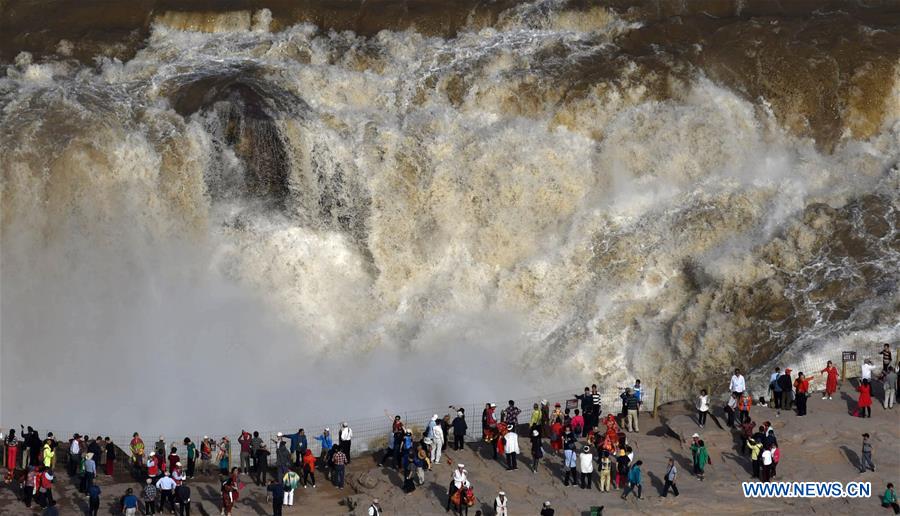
{"type": "Point", "coordinates": [254, 216]}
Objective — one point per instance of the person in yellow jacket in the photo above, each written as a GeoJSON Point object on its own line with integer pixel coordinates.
{"type": "Point", "coordinates": [755, 449]}
{"type": "Point", "coordinates": [49, 454]}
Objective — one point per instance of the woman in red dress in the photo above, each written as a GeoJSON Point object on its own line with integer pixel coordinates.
{"type": "Point", "coordinates": [12, 454]}
{"type": "Point", "coordinates": [556, 435]}
{"type": "Point", "coordinates": [865, 399]}
{"type": "Point", "coordinates": [831, 380]}
{"type": "Point", "coordinates": [229, 497]}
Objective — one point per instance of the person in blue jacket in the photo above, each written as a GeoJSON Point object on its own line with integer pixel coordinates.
{"type": "Point", "coordinates": [326, 442]}
{"type": "Point", "coordinates": [299, 444]}
{"type": "Point", "coordinates": [634, 481]}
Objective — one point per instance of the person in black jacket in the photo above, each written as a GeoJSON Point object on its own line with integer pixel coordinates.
{"type": "Point", "coordinates": [277, 490]}
{"type": "Point", "coordinates": [787, 387]}
{"type": "Point", "coordinates": [183, 497]}
{"type": "Point", "coordinates": [459, 431]}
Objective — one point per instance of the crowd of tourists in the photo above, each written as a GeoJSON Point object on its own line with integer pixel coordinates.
{"type": "Point", "coordinates": [594, 449]}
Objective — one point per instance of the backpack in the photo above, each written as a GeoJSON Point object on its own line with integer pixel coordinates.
{"type": "Point", "coordinates": [776, 455]}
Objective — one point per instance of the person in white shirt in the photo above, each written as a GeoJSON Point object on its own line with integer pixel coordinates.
{"type": "Point", "coordinates": [737, 385]}
{"type": "Point", "coordinates": [166, 488]}
{"type": "Point", "coordinates": [74, 455]}
{"type": "Point", "coordinates": [702, 408]}
{"type": "Point", "coordinates": [867, 369]}
{"type": "Point", "coordinates": [460, 477]}
{"type": "Point", "coordinates": [585, 467]}
{"type": "Point", "coordinates": [500, 504]}
{"type": "Point", "coordinates": [438, 442]}
{"type": "Point", "coordinates": [345, 436]}
{"type": "Point", "coordinates": [512, 450]}
{"type": "Point", "coordinates": [766, 463]}
{"type": "Point", "coordinates": [375, 508]}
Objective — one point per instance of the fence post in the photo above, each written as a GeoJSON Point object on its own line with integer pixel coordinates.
{"type": "Point", "coordinates": [843, 370]}
{"type": "Point", "coordinates": [655, 400]}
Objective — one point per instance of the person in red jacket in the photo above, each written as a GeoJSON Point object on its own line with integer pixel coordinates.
{"type": "Point", "coordinates": [153, 466]}
{"type": "Point", "coordinates": [173, 458]}
{"type": "Point", "coordinates": [309, 468]}
{"type": "Point", "coordinates": [865, 399]}
{"type": "Point", "coordinates": [801, 388]}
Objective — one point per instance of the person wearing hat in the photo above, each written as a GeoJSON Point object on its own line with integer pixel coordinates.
{"type": "Point", "coordinates": [511, 448]}
{"type": "Point", "coordinates": [437, 438]}
{"type": "Point", "coordinates": [546, 510]}
{"type": "Point", "coordinates": [375, 508]}
{"type": "Point", "coordinates": [501, 504]}
{"type": "Point", "coordinates": [325, 443]}
{"type": "Point", "coordinates": [459, 478]}
{"type": "Point", "coordinates": [537, 451]}
{"type": "Point", "coordinates": [586, 467]}
{"type": "Point", "coordinates": [153, 466]}
{"type": "Point", "coordinates": [150, 496]}
{"type": "Point", "coordinates": [178, 474]}
{"type": "Point", "coordinates": [344, 439]}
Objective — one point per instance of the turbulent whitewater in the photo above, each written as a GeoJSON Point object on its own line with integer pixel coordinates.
{"type": "Point", "coordinates": [244, 219]}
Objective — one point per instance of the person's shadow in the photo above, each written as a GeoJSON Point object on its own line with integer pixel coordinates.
{"type": "Point", "coordinates": [684, 463]}
{"type": "Point", "coordinates": [852, 457]}
{"type": "Point", "coordinates": [740, 459]}
{"type": "Point", "coordinates": [851, 402]}
{"type": "Point", "coordinates": [656, 482]}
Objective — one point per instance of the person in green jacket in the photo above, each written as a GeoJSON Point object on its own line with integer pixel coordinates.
{"type": "Point", "coordinates": [890, 499]}
{"type": "Point", "coordinates": [634, 481]}
{"type": "Point", "coordinates": [701, 457]}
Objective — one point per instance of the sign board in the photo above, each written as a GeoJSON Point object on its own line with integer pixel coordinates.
{"type": "Point", "coordinates": [572, 404]}
{"type": "Point", "coordinates": [848, 356]}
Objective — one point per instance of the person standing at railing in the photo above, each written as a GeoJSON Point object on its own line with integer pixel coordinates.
{"type": "Point", "coordinates": [866, 370]}
{"type": "Point", "coordinates": [325, 442]}
{"type": "Point", "coordinates": [775, 389]}
{"type": "Point", "coordinates": [459, 431]}
{"type": "Point", "coordinates": [261, 470]}
{"type": "Point", "coordinates": [111, 455]}
{"type": "Point", "coordinates": [890, 384]}
{"type": "Point", "coordinates": [345, 437]}
{"type": "Point", "coordinates": [831, 380]}
{"type": "Point", "coordinates": [282, 458]}
{"type": "Point", "coordinates": [206, 451]}
{"type": "Point", "coordinates": [512, 416]}
{"type": "Point", "coordinates": [244, 442]}
{"type": "Point", "coordinates": [191, 456]}
{"type": "Point", "coordinates": [587, 406]}
{"type": "Point", "coordinates": [340, 461]}
{"type": "Point", "coordinates": [299, 444]}
{"type": "Point", "coordinates": [786, 385]}
{"type": "Point", "coordinates": [886, 357]}
{"type": "Point", "coordinates": [737, 384]}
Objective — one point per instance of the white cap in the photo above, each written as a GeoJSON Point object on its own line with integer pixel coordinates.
{"type": "Point", "coordinates": [501, 493]}
{"type": "Point", "coordinates": [327, 429]}
{"type": "Point", "coordinates": [695, 435]}
{"type": "Point", "coordinates": [152, 453]}
{"type": "Point", "coordinates": [493, 404]}
{"type": "Point", "coordinates": [206, 437]}
{"type": "Point", "coordinates": [434, 417]}
{"type": "Point", "coordinates": [547, 503]}
{"type": "Point", "coordinates": [460, 465]}
{"type": "Point", "coordinates": [280, 434]}
{"type": "Point", "coordinates": [178, 464]}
